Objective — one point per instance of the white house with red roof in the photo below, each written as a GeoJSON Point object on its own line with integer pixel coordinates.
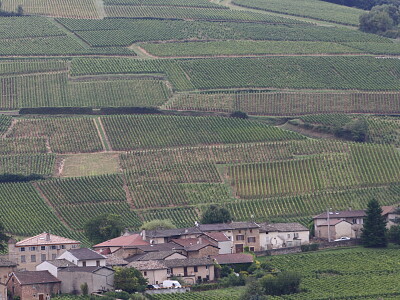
{"type": "Point", "coordinates": [30, 252]}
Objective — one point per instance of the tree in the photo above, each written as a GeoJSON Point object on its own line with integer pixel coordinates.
{"type": "Point", "coordinates": [215, 214]}
{"type": "Point", "coordinates": [239, 114]}
{"type": "Point", "coordinates": [158, 224]}
{"type": "Point", "coordinates": [374, 232]}
{"type": "Point", "coordinates": [381, 19]}
{"type": "Point", "coordinates": [20, 10]}
{"type": "Point", "coordinates": [394, 234]}
{"type": "Point", "coordinates": [129, 280]}
{"type": "Point", "coordinates": [103, 227]}
{"type": "Point", "coordinates": [3, 238]}
{"type": "Point", "coordinates": [84, 289]}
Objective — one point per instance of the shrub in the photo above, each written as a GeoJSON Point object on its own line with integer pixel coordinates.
{"type": "Point", "coordinates": [84, 289]}
{"type": "Point", "coordinates": [239, 114]}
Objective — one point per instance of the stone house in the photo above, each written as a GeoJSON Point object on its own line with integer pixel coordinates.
{"type": "Point", "coordinates": [154, 270]}
{"type": "Point", "coordinates": [197, 247]}
{"type": "Point", "coordinates": [6, 268]}
{"type": "Point", "coordinates": [32, 251]}
{"type": "Point", "coordinates": [281, 235]}
{"type": "Point", "coordinates": [98, 279]}
{"type": "Point", "coordinates": [191, 270]}
{"type": "Point", "coordinates": [84, 257]}
{"type": "Point", "coordinates": [33, 285]}
{"type": "Point", "coordinates": [53, 266]}
{"type": "Point", "coordinates": [390, 213]}
{"type": "Point", "coordinates": [354, 217]}
{"type": "Point", "coordinates": [336, 230]}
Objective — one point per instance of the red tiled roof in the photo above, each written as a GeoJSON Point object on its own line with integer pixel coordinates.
{"type": "Point", "coordinates": [45, 239]}
{"type": "Point", "coordinates": [388, 209]}
{"type": "Point", "coordinates": [234, 258]}
{"type": "Point", "coordinates": [123, 241]}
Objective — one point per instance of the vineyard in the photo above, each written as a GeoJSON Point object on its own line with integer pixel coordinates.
{"type": "Point", "coordinates": [41, 164]}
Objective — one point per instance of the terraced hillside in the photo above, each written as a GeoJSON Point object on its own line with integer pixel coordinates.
{"type": "Point", "coordinates": [287, 59]}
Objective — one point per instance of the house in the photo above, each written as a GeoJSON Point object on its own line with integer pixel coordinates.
{"type": "Point", "coordinates": [53, 266]}
{"type": "Point", "coordinates": [154, 270]}
{"type": "Point", "coordinates": [237, 261]}
{"type": "Point", "coordinates": [354, 217]}
{"type": "Point", "coordinates": [33, 285]}
{"type": "Point", "coordinates": [84, 257]}
{"type": "Point", "coordinates": [30, 252]}
{"type": "Point", "coordinates": [390, 213]}
{"type": "Point", "coordinates": [197, 247]}
{"type": "Point", "coordinates": [161, 236]}
{"type": "Point", "coordinates": [224, 244]}
{"type": "Point", "coordinates": [335, 230]}
{"type": "Point", "coordinates": [281, 235]}
{"type": "Point", "coordinates": [159, 255]}
{"type": "Point", "coordinates": [191, 270]}
{"type": "Point", "coordinates": [98, 279]}
{"type": "Point", "coordinates": [123, 246]}
{"type": "Point", "coordinates": [6, 268]}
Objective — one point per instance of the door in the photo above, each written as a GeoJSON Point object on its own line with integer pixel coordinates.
{"type": "Point", "coordinates": [41, 296]}
{"type": "Point", "coordinates": [185, 273]}
{"type": "Point", "coordinates": [239, 248]}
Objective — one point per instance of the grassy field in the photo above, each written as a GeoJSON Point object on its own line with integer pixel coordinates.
{"type": "Point", "coordinates": [92, 164]}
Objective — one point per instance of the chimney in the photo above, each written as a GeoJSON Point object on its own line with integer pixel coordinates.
{"type": "Point", "coordinates": [126, 232]}
{"type": "Point", "coordinates": [350, 208]}
{"type": "Point", "coordinates": [47, 237]}
{"type": "Point", "coordinates": [143, 234]}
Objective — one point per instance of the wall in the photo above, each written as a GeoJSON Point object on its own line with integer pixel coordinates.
{"type": "Point", "coordinates": [204, 252]}
{"type": "Point", "coordinates": [46, 266]}
{"type": "Point", "coordinates": [225, 247]}
{"type": "Point", "coordinates": [155, 276]}
{"type": "Point", "coordinates": [247, 233]}
{"type": "Point", "coordinates": [71, 281]}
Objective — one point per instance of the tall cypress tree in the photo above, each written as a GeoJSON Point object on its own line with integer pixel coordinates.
{"type": "Point", "coordinates": [374, 231]}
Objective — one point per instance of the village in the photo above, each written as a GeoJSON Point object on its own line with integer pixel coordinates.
{"type": "Point", "coordinates": [44, 265]}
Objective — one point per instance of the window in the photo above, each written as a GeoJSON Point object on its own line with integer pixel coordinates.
{"type": "Point", "coordinates": [84, 263]}
{"type": "Point", "coordinates": [97, 263]}
{"type": "Point", "coordinates": [240, 237]}
{"type": "Point", "coordinates": [296, 235]}
{"type": "Point", "coordinates": [33, 258]}
{"type": "Point", "coordinates": [54, 247]}
{"type": "Point", "coordinates": [251, 230]}
{"type": "Point", "coordinates": [145, 273]}
{"type": "Point", "coordinates": [73, 246]}
{"type": "Point", "coordinates": [22, 249]}
{"type": "Point", "coordinates": [251, 239]}
{"type": "Point", "coordinates": [354, 221]}
{"type": "Point", "coordinates": [240, 231]}
{"type": "Point", "coordinates": [42, 247]}
{"type": "Point", "coordinates": [206, 267]}
{"type": "Point", "coordinates": [62, 246]}
{"type": "Point", "coordinates": [195, 269]}
{"type": "Point", "coordinates": [43, 257]}
{"type": "Point", "coordinates": [169, 271]}
{"type": "Point", "coordinates": [23, 258]}
{"type": "Point", "coordinates": [156, 281]}
{"type": "Point", "coordinates": [32, 248]}
{"type": "Point", "coordinates": [251, 249]}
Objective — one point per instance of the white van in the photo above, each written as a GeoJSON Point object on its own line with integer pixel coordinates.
{"type": "Point", "coordinates": [171, 284]}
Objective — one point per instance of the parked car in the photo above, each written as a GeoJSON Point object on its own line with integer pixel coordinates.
{"type": "Point", "coordinates": [343, 238]}
{"type": "Point", "coordinates": [153, 287]}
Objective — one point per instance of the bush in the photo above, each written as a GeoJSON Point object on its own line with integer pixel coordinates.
{"type": "Point", "coordinates": [239, 114]}
{"type": "Point", "coordinates": [282, 284]}
{"type": "Point", "coordinates": [119, 295]}
{"type": "Point", "coordinates": [233, 279]}
{"type": "Point", "coordinates": [57, 111]}
{"type": "Point", "coordinates": [84, 289]}
{"type": "Point", "coordinates": [310, 247]}
{"type": "Point", "coordinates": [8, 177]}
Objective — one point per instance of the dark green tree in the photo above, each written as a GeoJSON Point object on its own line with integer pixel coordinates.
{"type": "Point", "coordinates": [3, 238]}
{"type": "Point", "coordinates": [394, 234]}
{"type": "Point", "coordinates": [215, 214]}
{"type": "Point", "coordinates": [103, 227]}
{"type": "Point", "coordinates": [374, 232]}
{"type": "Point", "coordinates": [129, 280]}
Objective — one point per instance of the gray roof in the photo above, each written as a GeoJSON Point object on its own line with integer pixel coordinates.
{"type": "Point", "coordinates": [85, 254]}
{"type": "Point", "coordinates": [61, 263]}
{"type": "Point", "coordinates": [161, 255]}
{"type": "Point", "coordinates": [342, 214]}
{"type": "Point", "coordinates": [35, 277]}
{"type": "Point", "coordinates": [188, 262]}
{"type": "Point", "coordinates": [282, 227]}
{"type": "Point", "coordinates": [84, 269]}
{"type": "Point", "coordinates": [171, 232]}
{"type": "Point", "coordinates": [243, 225]}
{"type": "Point", "coordinates": [197, 247]}
{"type": "Point", "coordinates": [148, 265]}
{"type": "Point", "coordinates": [214, 227]}
{"type": "Point", "coordinates": [113, 260]}
{"type": "Point", "coordinates": [159, 247]}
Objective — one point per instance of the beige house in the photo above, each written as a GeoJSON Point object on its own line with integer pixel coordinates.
{"type": "Point", "coordinates": [390, 213]}
{"type": "Point", "coordinates": [281, 235]}
{"type": "Point", "coordinates": [354, 217]}
{"type": "Point", "coordinates": [155, 271]}
{"type": "Point", "coordinates": [191, 270]}
{"type": "Point", "coordinates": [335, 230]}
{"type": "Point", "coordinates": [32, 251]}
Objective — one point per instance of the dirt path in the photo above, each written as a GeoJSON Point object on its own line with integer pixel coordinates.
{"type": "Point", "coordinates": [8, 131]}
{"type": "Point", "coordinates": [99, 133]}
{"type": "Point", "coordinates": [59, 167]}
{"type": "Point", "coordinates": [104, 138]}
{"type": "Point", "coordinates": [100, 8]}
{"type": "Point", "coordinates": [62, 220]}
{"type": "Point", "coordinates": [141, 53]}
{"type": "Point", "coordinates": [308, 133]}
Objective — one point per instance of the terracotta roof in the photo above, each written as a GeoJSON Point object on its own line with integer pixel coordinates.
{"type": "Point", "coordinates": [342, 214]}
{"type": "Point", "coordinates": [234, 258]}
{"type": "Point", "coordinates": [160, 255]}
{"type": "Point", "coordinates": [6, 263]}
{"type": "Point", "coordinates": [147, 265]}
{"type": "Point", "coordinates": [218, 236]}
{"type": "Point", "coordinates": [45, 239]}
{"type": "Point", "coordinates": [85, 254]}
{"type": "Point", "coordinates": [34, 277]}
{"type": "Point", "coordinates": [388, 209]}
{"type": "Point", "coordinates": [113, 260]}
{"type": "Point", "coordinates": [333, 222]}
{"type": "Point", "coordinates": [123, 241]}
{"type": "Point", "coordinates": [61, 263]}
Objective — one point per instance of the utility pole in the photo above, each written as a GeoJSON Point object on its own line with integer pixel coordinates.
{"type": "Point", "coordinates": [329, 225]}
